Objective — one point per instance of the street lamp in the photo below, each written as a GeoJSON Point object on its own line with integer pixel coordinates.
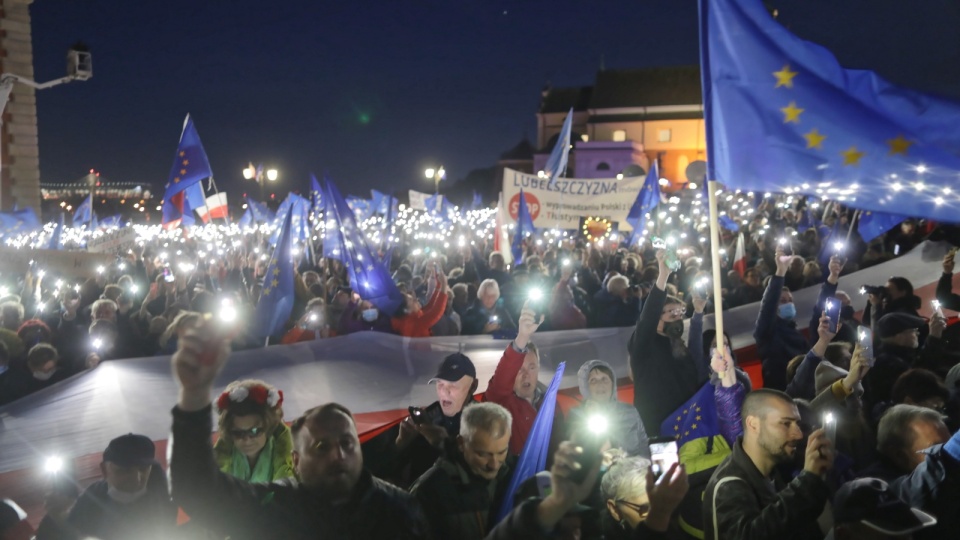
{"type": "Point", "coordinates": [436, 175]}
{"type": "Point", "coordinates": [257, 173]}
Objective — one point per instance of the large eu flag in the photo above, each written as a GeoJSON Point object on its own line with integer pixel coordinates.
{"type": "Point", "coordinates": [647, 199]}
{"type": "Point", "coordinates": [276, 296]}
{"type": "Point", "coordinates": [524, 228]}
{"type": "Point", "coordinates": [83, 212]}
{"type": "Point", "coordinates": [782, 115]}
{"type": "Point", "coordinates": [873, 224]}
{"type": "Point", "coordinates": [345, 241]}
{"type": "Point", "coordinates": [556, 165]}
{"type": "Point", "coordinates": [190, 166]}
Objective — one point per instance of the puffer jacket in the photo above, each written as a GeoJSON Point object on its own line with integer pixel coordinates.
{"type": "Point", "coordinates": [740, 504]}
{"type": "Point", "coordinates": [282, 509]}
{"type": "Point", "coordinates": [625, 427]}
{"type": "Point", "coordinates": [457, 503]}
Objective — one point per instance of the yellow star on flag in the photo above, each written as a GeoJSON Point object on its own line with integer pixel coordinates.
{"type": "Point", "coordinates": [698, 409]}
{"type": "Point", "coordinates": [676, 428]}
{"type": "Point", "coordinates": [186, 162]}
{"type": "Point", "coordinates": [183, 171]}
{"type": "Point", "coordinates": [266, 291]}
{"type": "Point", "coordinates": [686, 433]}
{"type": "Point", "coordinates": [851, 156]}
{"type": "Point", "coordinates": [900, 145]}
{"type": "Point", "coordinates": [182, 154]}
{"type": "Point", "coordinates": [679, 418]}
{"type": "Point", "coordinates": [699, 418]}
{"type": "Point", "coordinates": [791, 113]}
{"type": "Point", "coordinates": [276, 271]}
{"type": "Point", "coordinates": [275, 283]}
{"type": "Point", "coordinates": [176, 180]}
{"type": "Point", "coordinates": [693, 426]}
{"type": "Point", "coordinates": [814, 139]}
{"type": "Point", "coordinates": [685, 411]}
{"type": "Point", "coordinates": [785, 77]}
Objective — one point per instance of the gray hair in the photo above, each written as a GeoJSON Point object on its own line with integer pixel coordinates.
{"type": "Point", "coordinates": [617, 284]}
{"type": "Point", "coordinates": [626, 479]}
{"type": "Point", "coordinates": [895, 434]}
{"type": "Point", "coordinates": [488, 284]}
{"type": "Point", "coordinates": [486, 416]}
{"type": "Point", "coordinates": [102, 302]}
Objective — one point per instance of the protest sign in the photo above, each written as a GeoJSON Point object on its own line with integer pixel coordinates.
{"type": "Point", "coordinates": [112, 241]}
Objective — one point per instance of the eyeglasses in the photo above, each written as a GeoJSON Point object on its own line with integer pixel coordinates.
{"type": "Point", "coordinates": [675, 312]}
{"type": "Point", "coordinates": [251, 433]}
{"type": "Point", "coordinates": [642, 509]}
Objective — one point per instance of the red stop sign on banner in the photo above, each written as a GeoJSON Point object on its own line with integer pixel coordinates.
{"type": "Point", "coordinates": [533, 205]}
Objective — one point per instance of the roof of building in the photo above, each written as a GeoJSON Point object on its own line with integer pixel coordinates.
{"type": "Point", "coordinates": [522, 151]}
{"type": "Point", "coordinates": [559, 100]}
{"type": "Point", "coordinates": [647, 87]}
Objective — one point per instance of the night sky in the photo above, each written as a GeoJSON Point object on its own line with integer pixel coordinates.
{"type": "Point", "coordinates": [373, 92]}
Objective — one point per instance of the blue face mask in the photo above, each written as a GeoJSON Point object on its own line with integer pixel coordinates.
{"type": "Point", "coordinates": [787, 311]}
{"type": "Point", "coordinates": [369, 315]}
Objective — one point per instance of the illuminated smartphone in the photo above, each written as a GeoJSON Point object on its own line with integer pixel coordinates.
{"type": "Point", "coordinates": [416, 414]}
{"type": "Point", "coordinates": [663, 455]}
{"type": "Point", "coordinates": [865, 343]}
{"type": "Point", "coordinates": [831, 307]}
{"type": "Point", "coordinates": [830, 428]}
{"type": "Point", "coordinates": [936, 308]}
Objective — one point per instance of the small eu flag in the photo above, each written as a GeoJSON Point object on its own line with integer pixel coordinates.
{"type": "Point", "coordinates": [276, 295]}
{"type": "Point", "coordinates": [695, 419]}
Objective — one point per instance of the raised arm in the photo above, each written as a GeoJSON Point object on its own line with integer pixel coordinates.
{"type": "Point", "coordinates": [695, 338]}
{"type": "Point", "coordinates": [501, 384]}
{"type": "Point", "coordinates": [945, 293]}
{"type": "Point", "coordinates": [649, 317]}
{"type": "Point", "coordinates": [803, 384]}
{"type": "Point", "coordinates": [771, 299]}
{"type": "Point", "coordinates": [828, 289]}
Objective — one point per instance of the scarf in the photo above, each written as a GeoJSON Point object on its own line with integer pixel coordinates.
{"type": "Point", "coordinates": [263, 469]}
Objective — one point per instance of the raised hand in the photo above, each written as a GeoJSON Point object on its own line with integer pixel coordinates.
{"type": "Point", "coordinates": [666, 494]}
{"type": "Point", "coordinates": [202, 352]}
{"type": "Point", "coordinates": [527, 325]}
{"type": "Point", "coordinates": [948, 261]}
{"type": "Point", "coordinates": [859, 366]}
{"type": "Point", "coordinates": [819, 456]}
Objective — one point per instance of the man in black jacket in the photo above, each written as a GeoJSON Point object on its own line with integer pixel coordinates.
{"type": "Point", "coordinates": [746, 498]}
{"type": "Point", "coordinates": [948, 299]}
{"type": "Point", "coordinates": [462, 493]}
{"type": "Point", "coordinates": [777, 337]}
{"type": "Point", "coordinates": [899, 335]}
{"type": "Point", "coordinates": [335, 498]}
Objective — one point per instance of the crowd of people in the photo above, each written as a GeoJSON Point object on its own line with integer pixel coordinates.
{"type": "Point", "coordinates": [848, 438]}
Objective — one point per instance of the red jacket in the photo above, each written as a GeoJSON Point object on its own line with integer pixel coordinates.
{"type": "Point", "coordinates": [500, 391]}
{"type": "Point", "coordinates": [419, 324]}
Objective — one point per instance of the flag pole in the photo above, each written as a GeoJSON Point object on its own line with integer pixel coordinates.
{"type": "Point", "coordinates": [717, 271]}
{"type": "Point", "coordinates": [853, 223]}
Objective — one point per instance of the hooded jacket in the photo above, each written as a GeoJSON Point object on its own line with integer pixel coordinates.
{"type": "Point", "coordinates": [624, 425]}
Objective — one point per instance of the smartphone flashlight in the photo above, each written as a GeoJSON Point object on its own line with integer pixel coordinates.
{"type": "Point", "coordinates": [535, 294]}
{"type": "Point", "coordinates": [53, 465]}
{"type": "Point", "coordinates": [566, 262]}
{"type": "Point", "coordinates": [100, 269]}
{"type": "Point", "coordinates": [97, 343]}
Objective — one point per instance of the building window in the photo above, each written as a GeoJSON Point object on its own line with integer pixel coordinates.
{"type": "Point", "coordinates": [619, 135]}
{"type": "Point", "coordinates": [663, 135]}
{"type": "Point", "coordinates": [603, 166]}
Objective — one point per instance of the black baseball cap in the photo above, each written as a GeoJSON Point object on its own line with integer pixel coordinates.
{"type": "Point", "coordinates": [892, 324]}
{"type": "Point", "coordinates": [130, 451]}
{"type": "Point", "coordinates": [453, 368]}
{"type": "Point", "coordinates": [870, 501]}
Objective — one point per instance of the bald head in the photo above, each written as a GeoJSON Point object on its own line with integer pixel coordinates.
{"type": "Point", "coordinates": [327, 453]}
{"type": "Point", "coordinates": [763, 401]}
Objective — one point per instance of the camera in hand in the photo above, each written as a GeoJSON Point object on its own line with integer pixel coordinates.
{"type": "Point", "coordinates": [878, 290]}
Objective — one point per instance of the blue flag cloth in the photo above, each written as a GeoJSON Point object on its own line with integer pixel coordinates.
{"type": "Point", "coordinates": [84, 211]}
{"type": "Point", "coordinates": [194, 199]}
{"type": "Point", "coordinates": [112, 221]}
{"type": "Point", "coordinates": [259, 211]}
{"type": "Point", "coordinates": [381, 203]}
{"type": "Point", "coordinates": [316, 194]}
{"type": "Point", "coordinates": [727, 223]}
{"type": "Point", "coordinates": [695, 419]}
{"type": "Point", "coordinates": [556, 165]}
{"type": "Point", "coordinates": [826, 244]}
{"type": "Point", "coordinates": [647, 198]}
{"type": "Point", "coordinates": [190, 166]}
{"type": "Point", "coordinates": [782, 114]}
{"type": "Point", "coordinates": [276, 296]}
{"type": "Point", "coordinates": [533, 457]}
{"type": "Point", "coordinates": [477, 201]}
{"type": "Point", "coordinates": [20, 221]}
{"type": "Point", "coordinates": [873, 224]}
{"type": "Point", "coordinates": [806, 221]}
{"type": "Point", "coordinates": [368, 276]}
{"type": "Point", "coordinates": [300, 221]}
{"type": "Point", "coordinates": [57, 234]}
{"type": "Point", "coordinates": [246, 219]}
{"type": "Point", "coordinates": [524, 228]}
{"type": "Point", "coordinates": [361, 207]}
{"type": "Point", "coordinates": [434, 203]}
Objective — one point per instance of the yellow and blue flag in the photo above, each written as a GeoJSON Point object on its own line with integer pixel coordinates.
{"type": "Point", "coordinates": [276, 295]}
{"type": "Point", "coordinates": [190, 166]}
{"type": "Point", "coordinates": [647, 199]}
{"type": "Point", "coordinates": [695, 419]}
{"type": "Point", "coordinates": [524, 228]}
{"type": "Point", "coordinates": [556, 165]}
{"type": "Point", "coordinates": [873, 224]}
{"type": "Point", "coordinates": [782, 115]}
{"type": "Point", "coordinates": [84, 211]}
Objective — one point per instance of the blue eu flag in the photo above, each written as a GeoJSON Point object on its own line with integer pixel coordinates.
{"type": "Point", "coordinates": [316, 194]}
{"type": "Point", "coordinates": [57, 234]}
{"type": "Point", "coordinates": [300, 220]}
{"type": "Point", "coordinates": [782, 115]}
{"type": "Point", "coordinates": [533, 457]}
{"type": "Point", "coordinates": [556, 165]}
{"type": "Point", "coordinates": [19, 221]}
{"type": "Point", "coordinates": [382, 203]}
{"type": "Point", "coordinates": [368, 276]}
{"type": "Point", "coordinates": [695, 419]}
{"type": "Point", "coordinates": [647, 199]}
{"type": "Point", "coordinates": [190, 166]}
{"type": "Point", "coordinates": [112, 221]}
{"type": "Point", "coordinates": [361, 207]}
{"type": "Point", "coordinates": [276, 296]}
{"type": "Point", "coordinates": [524, 228]}
{"type": "Point", "coordinates": [873, 224]}
{"type": "Point", "coordinates": [82, 215]}
{"type": "Point", "coordinates": [246, 219]}
{"type": "Point", "coordinates": [259, 211]}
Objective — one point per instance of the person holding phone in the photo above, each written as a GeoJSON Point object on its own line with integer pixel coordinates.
{"type": "Point", "coordinates": [777, 337]}
{"type": "Point", "coordinates": [746, 496]}
{"type": "Point", "coordinates": [945, 295]}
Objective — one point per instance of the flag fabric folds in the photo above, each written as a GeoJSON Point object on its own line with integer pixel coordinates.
{"type": "Point", "coordinates": [300, 220]}
{"type": "Point", "coordinates": [57, 235]}
{"type": "Point", "coordinates": [873, 224]}
{"type": "Point", "coordinates": [246, 220]}
{"type": "Point", "coordinates": [695, 419]}
{"type": "Point", "coordinates": [533, 457]}
{"type": "Point", "coordinates": [84, 211]}
{"type": "Point", "coordinates": [728, 223]}
{"type": "Point", "coordinates": [524, 228]}
{"type": "Point", "coordinates": [259, 211]}
{"type": "Point", "coordinates": [316, 194]}
{"type": "Point", "coordinates": [647, 198]}
{"type": "Point", "coordinates": [383, 203]}
{"type": "Point", "coordinates": [368, 276]}
{"type": "Point", "coordinates": [217, 205]}
{"type": "Point", "coordinates": [276, 295]}
{"type": "Point", "coordinates": [783, 116]}
{"type": "Point", "coordinates": [556, 165]}
{"type": "Point", "coordinates": [500, 238]}
{"type": "Point", "coordinates": [740, 257]}
{"type": "Point", "coordinates": [190, 166]}
{"type": "Point", "coordinates": [361, 207]}
{"type": "Point", "coordinates": [112, 221]}
{"type": "Point", "coordinates": [18, 221]}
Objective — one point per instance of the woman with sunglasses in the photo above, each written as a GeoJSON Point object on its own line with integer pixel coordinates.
{"type": "Point", "coordinates": [254, 444]}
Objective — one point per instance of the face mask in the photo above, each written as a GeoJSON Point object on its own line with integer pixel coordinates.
{"type": "Point", "coordinates": [787, 311]}
{"type": "Point", "coordinates": [673, 329]}
{"type": "Point", "coordinates": [123, 497]}
{"type": "Point", "coordinates": [43, 375]}
{"type": "Point", "coordinates": [369, 315]}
